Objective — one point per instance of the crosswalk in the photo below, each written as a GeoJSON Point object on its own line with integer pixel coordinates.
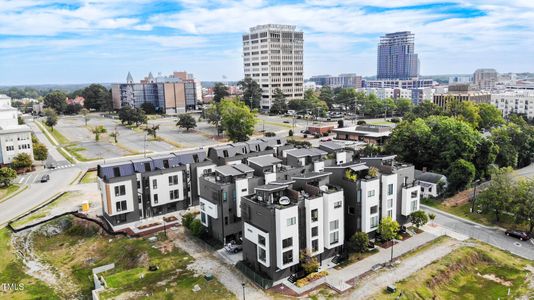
{"type": "Point", "coordinates": [32, 177]}
{"type": "Point", "coordinates": [65, 166]}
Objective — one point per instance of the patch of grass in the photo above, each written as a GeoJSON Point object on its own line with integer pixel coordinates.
{"type": "Point", "coordinates": [380, 123]}
{"type": "Point", "coordinates": [74, 151]}
{"type": "Point", "coordinates": [168, 141]}
{"type": "Point", "coordinates": [285, 125]}
{"type": "Point", "coordinates": [439, 240]}
{"type": "Point", "coordinates": [89, 177]}
{"type": "Point", "coordinates": [66, 155]}
{"type": "Point", "coordinates": [45, 211]}
{"type": "Point", "coordinates": [7, 191]}
{"type": "Point", "coordinates": [466, 274]}
{"type": "Point", "coordinates": [60, 139]}
{"type": "Point", "coordinates": [12, 271]}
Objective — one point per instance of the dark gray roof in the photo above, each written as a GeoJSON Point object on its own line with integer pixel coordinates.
{"type": "Point", "coordinates": [271, 187]}
{"type": "Point", "coordinates": [303, 152]}
{"type": "Point", "coordinates": [233, 170]}
{"type": "Point", "coordinates": [264, 161]}
{"type": "Point", "coordinates": [244, 168]}
{"type": "Point", "coordinates": [333, 146]}
{"type": "Point", "coordinates": [429, 177]}
{"type": "Point", "coordinates": [311, 175]}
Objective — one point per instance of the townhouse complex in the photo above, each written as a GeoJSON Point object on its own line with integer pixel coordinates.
{"type": "Point", "coordinates": [275, 199]}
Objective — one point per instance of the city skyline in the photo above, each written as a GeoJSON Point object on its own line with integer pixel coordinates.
{"type": "Point", "coordinates": [44, 42]}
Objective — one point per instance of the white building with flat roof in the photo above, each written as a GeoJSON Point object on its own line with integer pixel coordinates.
{"type": "Point", "coordinates": [514, 101]}
{"type": "Point", "coordinates": [273, 57]}
{"type": "Point", "coordinates": [14, 138]}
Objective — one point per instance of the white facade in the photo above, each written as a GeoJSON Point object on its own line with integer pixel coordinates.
{"type": "Point", "coordinates": [514, 101]}
{"type": "Point", "coordinates": [207, 209]}
{"type": "Point", "coordinates": [370, 198]}
{"type": "Point", "coordinates": [166, 188]}
{"type": "Point", "coordinates": [117, 198]}
{"type": "Point", "coordinates": [389, 196]}
{"type": "Point", "coordinates": [334, 219]}
{"type": "Point", "coordinates": [241, 190]}
{"type": "Point", "coordinates": [287, 229]}
{"type": "Point", "coordinates": [14, 138]}
{"type": "Point", "coordinates": [428, 189]}
{"type": "Point", "coordinates": [314, 225]}
{"type": "Point", "coordinates": [410, 200]}
{"type": "Point", "coordinates": [385, 93]}
{"type": "Point", "coordinates": [273, 57]}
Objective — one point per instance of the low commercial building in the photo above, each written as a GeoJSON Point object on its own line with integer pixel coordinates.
{"type": "Point", "coordinates": [371, 134]}
{"type": "Point", "coordinates": [461, 92]}
{"type": "Point", "coordinates": [14, 138]}
{"type": "Point", "coordinates": [514, 101]}
{"type": "Point", "coordinates": [172, 94]}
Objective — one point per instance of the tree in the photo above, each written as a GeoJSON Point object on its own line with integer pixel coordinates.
{"type": "Point", "coordinates": [490, 116]}
{"type": "Point", "coordinates": [432, 217]}
{"type": "Point", "coordinates": [485, 156]}
{"type": "Point", "coordinates": [51, 118]}
{"type": "Point", "coordinates": [523, 203]}
{"type": "Point", "coordinates": [427, 109]}
{"type": "Point", "coordinates": [359, 242]}
{"type": "Point", "coordinates": [389, 106]}
{"type": "Point", "coordinates": [308, 262]}
{"type": "Point", "coordinates": [299, 104]}
{"type": "Point", "coordinates": [139, 117]}
{"type": "Point", "coordinates": [186, 121]}
{"type": "Point", "coordinates": [97, 131]}
{"type": "Point", "coordinates": [85, 112]}
{"type": "Point", "coordinates": [73, 109]}
{"type": "Point", "coordinates": [152, 130]}
{"type": "Point", "coordinates": [196, 227]}
{"type": "Point", "coordinates": [187, 219]}
{"type": "Point", "coordinates": [327, 95]}
{"type": "Point", "coordinates": [411, 142]}
{"type": "Point", "coordinates": [419, 218]}
{"type": "Point", "coordinates": [345, 98]}
{"type": "Point", "coordinates": [114, 135]}
{"type": "Point", "coordinates": [237, 120]}
{"type": "Point", "coordinates": [130, 115]}
{"type": "Point", "coordinates": [404, 106]}
{"type": "Point", "coordinates": [498, 196]}
{"type": "Point", "coordinates": [220, 91]}
{"type": "Point", "coordinates": [21, 160]}
{"type": "Point", "coordinates": [279, 105]}
{"type": "Point", "coordinates": [213, 116]}
{"type": "Point", "coordinates": [56, 100]}
{"type": "Point", "coordinates": [40, 152]}
{"type": "Point", "coordinates": [148, 108]}
{"type": "Point", "coordinates": [388, 228]}
{"type": "Point", "coordinates": [97, 97]}
{"type": "Point", "coordinates": [20, 120]}
{"type": "Point", "coordinates": [7, 175]}
{"type": "Point", "coordinates": [465, 111]}
{"type": "Point", "coordinates": [460, 174]}
{"type": "Point", "coordinates": [251, 92]}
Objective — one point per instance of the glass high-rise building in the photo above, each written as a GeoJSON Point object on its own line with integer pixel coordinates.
{"type": "Point", "coordinates": [396, 56]}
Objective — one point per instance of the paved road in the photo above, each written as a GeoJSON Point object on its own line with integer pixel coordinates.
{"type": "Point", "coordinates": [53, 155]}
{"type": "Point", "coordinates": [37, 192]}
{"type": "Point", "coordinates": [492, 236]}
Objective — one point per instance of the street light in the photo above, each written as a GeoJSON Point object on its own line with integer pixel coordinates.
{"type": "Point", "coordinates": [474, 196]}
{"type": "Point", "coordinates": [243, 285]}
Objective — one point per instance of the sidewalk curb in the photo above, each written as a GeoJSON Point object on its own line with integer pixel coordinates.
{"type": "Point", "coordinates": [460, 218]}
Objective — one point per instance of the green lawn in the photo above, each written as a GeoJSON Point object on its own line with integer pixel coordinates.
{"type": "Point", "coordinates": [82, 247]}
{"type": "Point", "coordinates": [7, 191]}
{"type": "Point", "coordinates": [12, 270]}
{"type": "Point", "coordinates": [487, 218]}
{"type": "Point", "coordinates": [88, 177]}
{"type": "Point", "coordinates": [75, 151]}
{"type": "Point", "coordinates": [480, 272]}
{"type": "Point", "coordinates": [62, 140]}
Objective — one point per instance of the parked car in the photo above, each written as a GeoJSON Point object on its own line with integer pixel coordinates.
{"type": "Point", "coordinates": [286, 121]}
{"type": "Point", "coordinates": [233, 247]}
{"type": "Point", "coordinates": [51, 166]}
{"type": "Point", "coordinates": [326, 140]}
{"type": "Point", "coordinates": [45, 178]}
{"type": "Point", "coordinates": [523, 236]}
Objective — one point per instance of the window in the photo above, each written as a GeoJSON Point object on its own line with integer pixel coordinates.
{"type": "Point", "coordinates": [390, 203]}
{"type": "Point", "coordinates": [166, 163]}
{"type": "Point", "coordinates": [315, 245]}
{"type": "Point", "coordinates": [414, 206]}
{"type": "Point", "coordinates": [138, 184]}
{"type": "Point", "coordinates": [120, 190]}
{"type": "Point", "coordinates": [287, 257]}
{"type": "Point", "coordinates": [415, 193]}
{"type": "Point", "coordinates": [315, 231]}
{"type": "Point", "coordinates": [390, 189]}
{"type": "Point", "coordinates": [225, 196]}
{"type": "Point", "coordinates": [334, 225]}
{"type": "Point", "coordinates": [225, 220]}
{"type": "Point", "coordinates": [371, 193]}
{"type": "Point", "coordinates": [261, 240]}
{"type": "Point", "coordinates": [174, 194]}
{"type": "Point", "coordinates": [374, 222]}
{"type": "Point", "coordinates": [338, 204]}
{"type": "Point", "coordinates": [262, 255]}
{"type": "Point", "coordinates": [390, 213]}
{"type": "Point", "coordinates": [116, 172]}
{"type": "Point", "coordinates": [155, 198]}
{"type": "Point", "coordinates": [287, 242]}
{"type": "Point", "coordinates": [352, 210]}
{"type": "Point", "coordinates": [334, 237]}
{"type": "Point", "coordinates": [314, 215]}
{"type": "Point", "coordinates": [155, 184]}
{"type": "Point", "coordinates": [147, 167]}
{"type": "Point", "coordinates": [139, 198]}
{"type": "Point", "coordinates": [291, 221]}
{"type": "Point", "coordinates": [121, 206]}
{"type": "Point", "coordinates": [173, 180]}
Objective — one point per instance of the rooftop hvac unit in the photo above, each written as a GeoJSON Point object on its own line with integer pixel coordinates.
{"type": "Point", "coordinates": [284, 200]}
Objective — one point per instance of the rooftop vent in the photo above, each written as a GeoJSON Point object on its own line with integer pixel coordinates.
{"type": "Point", "coordinates": [284, 200]}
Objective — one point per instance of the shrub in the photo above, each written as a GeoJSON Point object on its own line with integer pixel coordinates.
{"type": "Point", "coordinates": [359, 242]}
{"type": "Point", "coordinates": [187, 219]}
{"type": "Point", "coordinates": [395, 120]}
{"type": "Point", "coordinates": [311, 277]}
{"type": "Point", "coordinates": [309, 263]}
{"type": "Point", "coordinates": [361, 122]}
{"type": "Point", "coordinates": [419, 218]}
{"type": "Point", "coordinates": [290, 132]}
{"type": "Point", "coordinates": [196, 227]}
{"type": "Point", "coordinates": [269, 134]}
{"type": "Point", "coordinates": [326, 134]}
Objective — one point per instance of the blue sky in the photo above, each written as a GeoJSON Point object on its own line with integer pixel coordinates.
{"type": "Point", "coordinates": [82, 41]}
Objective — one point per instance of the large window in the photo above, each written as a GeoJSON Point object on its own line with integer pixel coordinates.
{"type": "Point", "coordinates": [173, 180]}
{"type": "Point", "coordinates": [262, 255]}
{"type": "Point", "coordinates": [334, 225]}
{"type": "Point", "coordinates": [374, 209]}
{"type": "Point", "coordinates": [287, 257]}
{"type": "Point", "coordinates": [414, 206]}
{"type": "Point", "coordinates": [315, 231]}
{"type": "Point", "coordinates": [120, 190]}
{"type": "Point", "coordinates": [292, 221]}
{"type": "Point", "coordinates": [371, 193]}
{"type": "Point", "coordinates": [390, 203]}
{"type": "Point", "coordinates": [174, 194]}
{"type": "Point", "coordinates": [287, 242]}
{"type": "Point", "coordinates": [154, 184]}
{"type": "Point", "coordinates": [121, 206]}
{"type": "Point", "coordinates": [261, 240]}
{"type": "Point", "coordinates": [225, 196]}
{"type": "Point", "coordinates": [390, 189]}
{"type": "Point", "coordinates": [415, 193]}
{"type": "Point", "coordinates": [315, 245]}
{"type": "Point", "coordinates": [334, 237]}
{"type": "Point", "coordinates": [374, 222]}
{"type": "Point", "coordinates": [156, 199]}
{"type": "Point", "coordinates": [314, 215]}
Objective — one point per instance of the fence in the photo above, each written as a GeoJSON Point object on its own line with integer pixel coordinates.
{"type": "Point", "coordinates": [259, 280]}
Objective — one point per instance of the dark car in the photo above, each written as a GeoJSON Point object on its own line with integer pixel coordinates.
{"type": "Point", "coordinates": [45, 178]}
{"type": "Point", "coordinates": [518, 234]}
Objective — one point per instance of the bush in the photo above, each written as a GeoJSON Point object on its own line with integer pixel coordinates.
{"type": "Point", "coordinates": [299, 143]}
{"type": "Point", "coordinates": [310, 278]}
{"type": "Point", "coordinates": [361, 122]}
{"type": "Point", "coordinates": [290, 132]}
{"type": "Point", "coordinates": [326, 133]}
{"type": "Point", "coordinates": [187, 219]}
{"type": "Point", "coordinates": [419, 218]}
{"type": "Point", "coordinates": [22, 160]}
{"type": "Point", "coordinates": [196, 227]}
{"type": "Point", "coordinates": [305, 136]}
{"type": "Point", "coordinates": [359, 242]}
{"type": "Point", "coordinates": [309, 263]}
{"type": "Point", "coordinates": [395, 120]}
{"type": "Point", "coordinates": [269, 134]}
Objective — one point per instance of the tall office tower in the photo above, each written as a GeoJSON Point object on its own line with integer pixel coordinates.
{"type": "Point", "coordinates": [485, 79]}
{"type": "Point", "coordinates": [396, 56]}
{"type": "Point", "coordinates": [273, 57]}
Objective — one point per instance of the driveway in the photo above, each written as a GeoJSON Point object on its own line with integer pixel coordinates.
{"type": "Point", "coordinates": [490, 235]}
